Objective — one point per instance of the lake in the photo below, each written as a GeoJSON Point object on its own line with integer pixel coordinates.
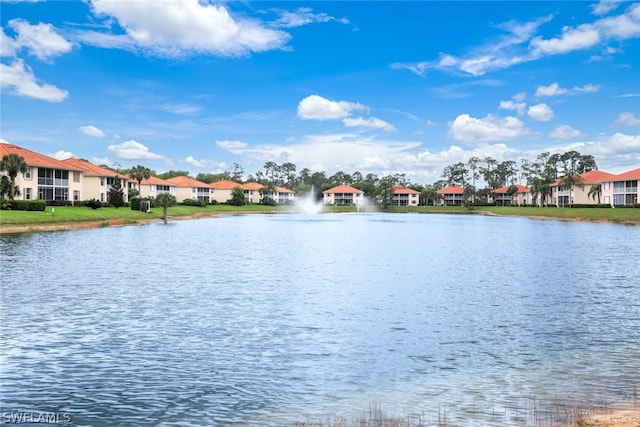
{"type": "Point", "coordinates": [272, 319]}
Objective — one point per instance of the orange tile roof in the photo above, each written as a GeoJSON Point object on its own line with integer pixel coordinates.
{"type": "Point", "coordinates": [224, 184]}
{"type": "Point", "coordinates": [399, 189]}
{"type": "Point", "coordinates": [505, 189]}
{"type": "Point", "coordinates": [186, 181]}
{"type": "Point", "coordinates": [343, 189]}
{"type": "Point", "coordinates": [596, 177]}
{"type": "Point", "coordinates": [31, 158]}
{"type": "Point", "coordinates": [283, 190]}
{"type": "Point", "coordinates": [452, 189]}
{"type": "Point", "coordinates": [154, 180]}
{"type": "Point", "coordinates": [93, 170]}
{"type": "Point", "coordinates": [252, 186]}
{"type": "Point", "coordinates": [630, 175]}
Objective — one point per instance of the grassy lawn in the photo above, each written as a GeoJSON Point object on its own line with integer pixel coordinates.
{"type": "Point", "coordinates": [76, 214]}
{"type": "Point", "coordinates": [619, 215]}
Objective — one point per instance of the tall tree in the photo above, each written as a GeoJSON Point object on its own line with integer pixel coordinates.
{"type": "Point", "coordinates": [13, 164]}
{"type": "Point", "coordinates": [116, 194]}
{"type": "Point", "coordinates": [455, 174]}
{"type": "Point", "coordinates": [595, 192]}
{"type": "Point", "coordinates": [172, 174]}
{"type": "Point", "coordinates": [165, 200]}
{"type": "Point", "coordinates": [385, 191]}
{"type": "Point", "coordinates": [237, 174]}
{"type": "Point", "coordinates": [139, 173]}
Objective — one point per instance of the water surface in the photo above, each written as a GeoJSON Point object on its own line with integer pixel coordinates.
{"type": "Point", "coordinates": [269, 319]}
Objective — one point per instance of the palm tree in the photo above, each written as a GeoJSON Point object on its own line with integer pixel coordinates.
{"type": "Point", "coordinates": [595, 191]}
{"type": "Point", "coordinates": [13, 164]}
{"type": "Point", "coordinates": [571, 180]}
{"type": "Point", "coordinates": [139, 173]}
{"type": "Point", "coordinates": [165, 200]}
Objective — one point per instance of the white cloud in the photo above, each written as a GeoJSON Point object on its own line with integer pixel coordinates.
{"type": "Point", "coordinates": [581, 37]}
{"type": "Point", "coordinates": [8, 46]}
{"type": "Point", "coordinates": [183, 27]}
{"type": "Point", "coordinates": [628, 119]}
{"type": "Point", "coordinates": [19, 79]}
{"type": "Point", "coordinates": [565, 132]}
{"type": "Point", "coordinates": [92, 131]}
{"type": "Point", "coordinates": [315, 107]}
{"type": "Point", "coordinates": [61, 155]}
{"type": "Point", "coordinates": [369, 122]}
{"type": "Point", "coordinates": [232, 146]}
{"type": "Point", "coordinates": [540, 112]}
{"type": "Point", "coordinates": [491, 128]}
{"type": "Point", "coordinates": [196, 163]}
{"type": "Point", "coordinates": [132, 150]}
{"type": "Point", "coordinates": [511, 105]}
{"type": "Point", "coordinates": [605, 6]}
{"type": "Point", "coordinates": [304, 16]}
{"type": "Point", "coordinates": [553, 89]}
{"type": "Point", "coordinates": [41, 40]}
{"type": "Point", "coordinates": [100, 160]}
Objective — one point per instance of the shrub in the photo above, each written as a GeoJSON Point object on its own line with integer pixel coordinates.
{"type": "Point", "coordinates": [27, 205]}
{"type": "Point", "coordinates": [93, 203]}
{"type": "Point", "coordinates": [59, 203]}
{"type": "Point", "coordinates": [192, 202]}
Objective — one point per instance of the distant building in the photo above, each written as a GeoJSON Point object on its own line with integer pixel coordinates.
{"type": "Point", "coordinates": [192, 189]}
{"type": "Point", "coordinates": [343, 195]}
{"type": "Point", "coordinates": [403, 196]}
{"type": "Point", "coordinates": [501, 197]}
{"type": "Point", "coordinates": [452, 195]}
{"type": "Point", "coordinates": [97, 180]}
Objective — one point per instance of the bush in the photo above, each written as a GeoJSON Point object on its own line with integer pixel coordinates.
{"type": "Point", "coordinates": [27, 205]}
{"type": "Point", "coordinates": [93, 203]}
{"type": "Point", "coordinates": [267, 201]}
{"type": "Point", "coordinates": [192, 202]}
{"type": "Point", "coordinates": [59, 203]}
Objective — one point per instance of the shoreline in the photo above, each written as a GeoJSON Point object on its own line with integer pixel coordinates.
{"type": "Point", "coordinates": [121, 222]}
{"type": "Point", "coordinates": [624, 415]}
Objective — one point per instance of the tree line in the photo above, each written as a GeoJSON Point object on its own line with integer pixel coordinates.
{"type": "Point", "coordinates": [538, 174]}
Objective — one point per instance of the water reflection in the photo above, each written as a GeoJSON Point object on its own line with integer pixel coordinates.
{"type": "Point", "coordinates": [271, 319]}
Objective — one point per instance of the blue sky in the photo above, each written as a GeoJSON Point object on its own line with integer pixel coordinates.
{"type": "Point", "coordinates": [376, 87]}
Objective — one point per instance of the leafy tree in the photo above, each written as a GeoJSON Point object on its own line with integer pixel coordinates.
{"type": "Point", "coordinates": [385, 191]}
{"type": "Point", "coordinates": [165, 200]}
{"type": "Point", "coordinates": [595, 192]}
{"type": "Point", "coordinates": [208, 178]}
{"type": "Point", "coordinates": [116, 194]}
{"type": "Point", "coordinates": [455, 174]}
{"type": "Point", "coordinates": [93, 204]}
{"type": "Point", "coordinates": [237, 197]}
{"type": "Point", "coordinates": [172, 174]}
{"type": "Point", "coordinates": [139, 173]}
{"type": "Point", "coordinates": [13, 164]}
{"type": "Point", "coordinates": [472, 164]}
{"type": "Point", "coordinates": [512, 190]}
{"type": "Point", "coordinates": [5, 190]}
{"type": "Point", "coordinates": [238, 173]}
{"type": "Point", "coordinates": [288, 174]}
{"type": "Point", "coordinates": [468, 194]}
{"type": "Point", "coordinates": [133, 193]}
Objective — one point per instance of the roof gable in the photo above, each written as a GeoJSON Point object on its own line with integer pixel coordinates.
{"type": "Point", "coordinates": [630, 175]}
{"type": "Point", "coordinates": [186, 181]}
{"type": "Point", "coordinates": [343, 189]}
{"type": "Point", "coordinates": [452, 189]}
{"type": "Point", "coordinates": [399, 189]}
{"type": "Point", "coordinates": [31, 158]}
{"type": "Point", "coordinates": [224, 184]}
{"type": "Point", "coordinates": [93, 170]}
{"type": "Point", "coordinates": [505, 189]}
{"type": "Point", "coordinates": [154, 180]}
{"type": "Point", "coordinates": [251, 186]}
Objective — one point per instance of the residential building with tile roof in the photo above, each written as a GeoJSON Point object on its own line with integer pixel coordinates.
{"type": "Point", "coordinates": [98, 180]}
{"type": "Point", "coordinates": [404, 196]}
{"type": "Point", "coordinates": [221, 190]}
{"type": "Point", "coordinates": [153, 186]}
{"type": "Point", "coordinates": [188, 188]}
{"type": "Point", "coordinates": [252, 192]}
{"type": "Point", "coordinates": [623, 189]}
{"type": "Point", "coordinates": [451, 196]}
{"type": "Point", "coordinates": [46, 178]}
{"type": "Point", "coordinates": [343, 195]}
{"type": "Point", "coordinates": [501, 197]}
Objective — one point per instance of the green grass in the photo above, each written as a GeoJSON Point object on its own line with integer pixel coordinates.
{"type": "Point", "coordinates": [619, 215]}
{"type": "Point", "coordinates": [127, 216]}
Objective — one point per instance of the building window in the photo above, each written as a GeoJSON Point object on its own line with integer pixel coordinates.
{"type": "Point", "coordinates": [27, 194]}
{"type": "Point", "coordinates": [76, 195]}
{"type": "Point", "coordinates": [606, 186]}
{"type": "Point", "coordinates": [76, 177]}
{"type": "Point", "coordinates": [27, 174]}
{"type": "Point", "coordinates": [101, 181]}
{"type": "Point", "coordinates": [102, 197]}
